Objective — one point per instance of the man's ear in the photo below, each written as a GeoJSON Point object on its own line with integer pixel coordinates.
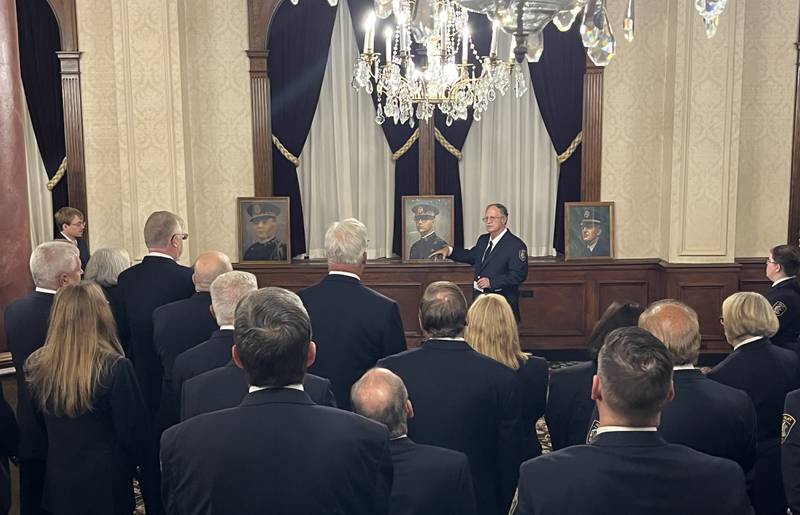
{"type": "Point", "coordinates": [597, 388]}
{"type": "Point", "coordinates": [312, 354]}
{"type": "Point", "coordinates": [409, 409]}
{"type": "Point", "coordinates": [235, 355]}
{"type": "Point", "coordinates": [671, 392]}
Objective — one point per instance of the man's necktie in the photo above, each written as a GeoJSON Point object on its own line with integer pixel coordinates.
{"type": "Point", "coordinates": [487, 251]}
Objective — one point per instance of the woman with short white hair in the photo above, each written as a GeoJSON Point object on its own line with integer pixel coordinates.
{"type": "Point", "coordinates": [766, 373]}
{"type": "Point", "coordinates": [104, 268]}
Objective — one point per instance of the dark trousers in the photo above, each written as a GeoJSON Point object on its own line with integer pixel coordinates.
{"type": "Point", "coordinates": [31, 485]}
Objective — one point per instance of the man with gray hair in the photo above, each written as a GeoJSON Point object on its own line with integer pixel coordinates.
{"type": "Point", "coordinates": [277, 451]}
{"type": "Point", "coordinates": [427, 479]}
{"type": "Point", "coordinates": [354, 326]}
{"type": "Point", "coordinates": [705, 415]}
{"type": "Point", "coordinates": [463, 400]}
{"type": "Point", "coordinates": [628, 467]}
{"type": "Point", "coordinates": [53, 265]}
{"type": "Point", "coordinates": [156, 281]}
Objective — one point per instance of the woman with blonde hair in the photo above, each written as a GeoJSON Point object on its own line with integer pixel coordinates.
{"type": "Point", "coordinates": [766, 373]}
{"type": "Point", "coordinates": [492, 331]}
{"type": "Point", "coordinates": [97, 424]}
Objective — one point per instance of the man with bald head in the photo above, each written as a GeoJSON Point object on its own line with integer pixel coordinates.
{"type": "Point", "coordinates": [705, 415]}
{"type": "Point", "coordinates": [427, 479]}
{"type": "Point", "coordinates": [180, 325]}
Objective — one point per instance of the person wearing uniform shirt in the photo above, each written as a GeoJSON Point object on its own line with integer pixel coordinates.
{"type": "Point", "coordinates": [784, 294]}
{"type": "Point", "coordinates": [428, 242]}
{"type": "Point", "coordinates": [594, 240]}
{"type": "Point", "coordinates": [790, 450]}
{"type": "Point", "coordinates": [268, 247]}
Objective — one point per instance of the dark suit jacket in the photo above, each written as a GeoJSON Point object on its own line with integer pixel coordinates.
{"type": "Point", "coordinates": [630, 474]}
{"type": "Point", "coordinates": [9, 441]}
{"type": "Point", "coordinates": [277, 452]}
{"type": "Point", "coordinates": [709, 417]}
{"type": "Point", "coordinates": [506, 266]}
{"type": "Point", "coordinates": [602, 249]}
{"type": "Point", "coordinates": [117, 303]}
{"type": "Point", "coordinates": [532, 378]}
{"type": "Point", "coordinates": [790, 450]}
{"type": "Point", "coordinates": [466, 402]}
{"type": "Point", "coordinates": [212, 353]}
{"type": "Point", "coordinates": [353, 327]}
{"type": "Point", "coordinates": [766, 373]}
{"type": "Point", "coordinates": [152, 283]}
{"type": "Point", "coordinates": [225, 387]}
{"type": "Point", "coordinates": [92, 458]}
{"type": "Point", "coordinates": [177, 327]}
{"type": "Point", "coordinates": [785, 300]}
{"type": "Point", "coordinates": [430, 480]}
{"type": "Point", "coordinates": [83, 248]}
{"type": "Point", "coordinates": [26, 323]}
{"type": "Point", "coordinates": [570, 404]}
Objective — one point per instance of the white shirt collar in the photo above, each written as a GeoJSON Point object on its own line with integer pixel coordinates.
{"type": "Point", "coordinates": [754, 338]}
{"type": "Point", "coordinates": [683, 367]}
{"type": "Point", "coordinates": [398, 437]}
{"type": "Point", "coordinates": [45, 290]}
{"type": "Point", "coordinates": [624, 429]}
{"type": "Point", "coordinates": [159, 254]}
{"type": "Point", "coordinates": [67, 237]}
{"type": "Point", "coordinates": [348, 274]}
{"type": "Point", "coordinates": [593, 245]}
{"type": "Point", "coordinates": [226, 327]}
{"type": "Point", "coordinates": [456, 339]}
{"type": "Point", "coordinates": [497, 238]}
{"type": "Point", "coordinates": [776, 283]}
{"type": "Point", "coordinates": [298, 386]}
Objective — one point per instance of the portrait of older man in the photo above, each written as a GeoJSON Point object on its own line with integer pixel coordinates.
{"type": "Point", "coordinates": [425, 223]}
{"type": "Point", "coordinates": [589, 228]}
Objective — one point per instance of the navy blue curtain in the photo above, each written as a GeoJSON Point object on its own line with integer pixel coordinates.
{"type": "Point", "coordinates": [39, 40]}
{"type": "Point", "coordinates": [299, 40]}
{"type": "Point", "coordinates": [558, 82]}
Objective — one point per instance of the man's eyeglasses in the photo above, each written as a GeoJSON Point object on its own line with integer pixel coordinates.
{"type": "Point", "coordinates": [79, 223]}
{"type": "Point", "coordinates": [184, 236]}
{"type": "Point", "coordinates": [486, 219]}
{"type": "Point", "coordinates": [771, 261]}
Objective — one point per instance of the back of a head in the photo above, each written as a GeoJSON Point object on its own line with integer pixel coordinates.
{"type": "Point", "coordinates": [226, 292]}
{"type": "Point", "coordinates": [443, 310]}
{"type": "Point", "coordinates": [788, 256]}
{"type": "Point", "coordinates": [345, 242]}
{"type": "Point", "coordinates": [105, 265]}
{"type": "Point", "coordinates": [492, 330]}
{"type": "Point", "coordinates": [635, 371]}
{"type": "Point", "coordinates": [380, 395]}
{"type": "Point", "coordinates": [65, 216]}
{"type": "Point", "coordinates": [677, 326]}
{"type": "Point", "coordinates": [272, 335]}
{"type": "Point", "coordinates": [51, 259]}
{"type": "Point", "coordinates": [81, 338]}
{"type": "Point", "coordinates": [618, 314]}
{"type": "Point", "coordinates": [208, 266]}
{"type": "Point", "coordinates": [748, 314]}
{"type": "Point", "coordinates": [160, 227]}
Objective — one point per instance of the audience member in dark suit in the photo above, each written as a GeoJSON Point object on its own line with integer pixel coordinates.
{"type": "Point", "coordinates": [226, 291]}
{"type": "Point", "coordinates": [354, 326]}
{"type": "Point", "coordinates": [493, 332]}
{"type": "Point", "coordinates": [156, 281]}
{"type": "Point", "coordinates": [97, 423]}
{"type": "Point", "coordinates": [766, 373]}
{"type": "Point", "coordinates": [9, 442]}
{"type": "Point", "coordinates": [180, 325]}
{"type": "Point", "coordinates": [277, 451]}
{"type": "Point", "coordinates": [53, 265]}
{"type": "Point", "coordinates": [462, 400]}
{"type": "Point", "coordinates": [569, 399]}
{"type": "Point", "coordinates": [104, 268]}
{"type": "Point", "coordinates": [225, 387]}
{"type": "Point", "coordinates": [790, 450]}
{"type": "Point", "coordinates": [784, 294]}
{"type": "Point", "coordinates": [427, 480]}
{"type": "Point", "coordinates": [499, 258]}
{"type": "Point", "coordinates": [629, 468]}
{"type": "Point", "coordinates": [71, 224]}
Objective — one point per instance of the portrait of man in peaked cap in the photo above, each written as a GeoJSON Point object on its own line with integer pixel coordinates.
{"type": "Point", "coordinates": [428, 223]}
{"type": "Point", "coordinates": [264, 229]}
{"type": "Point", "coordinates": [589, 230]}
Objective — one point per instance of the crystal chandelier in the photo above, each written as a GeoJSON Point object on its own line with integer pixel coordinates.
{"type": "Point", "coordinates": [426, 56]}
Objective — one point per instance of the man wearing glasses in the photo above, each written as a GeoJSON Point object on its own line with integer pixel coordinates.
{"type": "Point", "coordinates": [499, 258]}
{"type": "Point", "coordinates": [71, 224]}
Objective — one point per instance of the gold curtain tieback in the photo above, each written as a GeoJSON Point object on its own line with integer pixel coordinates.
{"type": "Point", "coordinates": [62, 170]}
{"type": "Point", "coordinates": [285, 152]}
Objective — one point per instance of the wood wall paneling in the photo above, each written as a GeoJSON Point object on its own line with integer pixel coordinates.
{"type": "Point", "coordinates": [591, 156]}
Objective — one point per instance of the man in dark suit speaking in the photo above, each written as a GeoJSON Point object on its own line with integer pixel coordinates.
{"type": "Point", "coordinates": [499, 258]}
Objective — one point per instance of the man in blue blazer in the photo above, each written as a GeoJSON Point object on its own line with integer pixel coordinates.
{"type": "Point", "coordinates": [277, 452]}
{"type": "Point", "coordinates": [499, 258]}
{"type": "Point", "coordinates": [71, 224]}
{"type": "Point", "coordinates": [628, 467]}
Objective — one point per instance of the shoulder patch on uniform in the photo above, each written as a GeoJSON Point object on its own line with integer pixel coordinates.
{"type": "Point", "coordinates": [786, 426]}
{"type": "Point", "coordinates": [779, 307]}
{"type": "Point", "coordinates": [590, 436]}
{"type": "Point", "coordinates": [523, 255]}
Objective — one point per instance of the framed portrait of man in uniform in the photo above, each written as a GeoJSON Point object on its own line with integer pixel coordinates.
{"type": "Point", "coordinates": [264, 230]}
{"type": "Point", "coordinates": [589, 230]}
{"type": "Point", "coordinates": [428, 225]}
